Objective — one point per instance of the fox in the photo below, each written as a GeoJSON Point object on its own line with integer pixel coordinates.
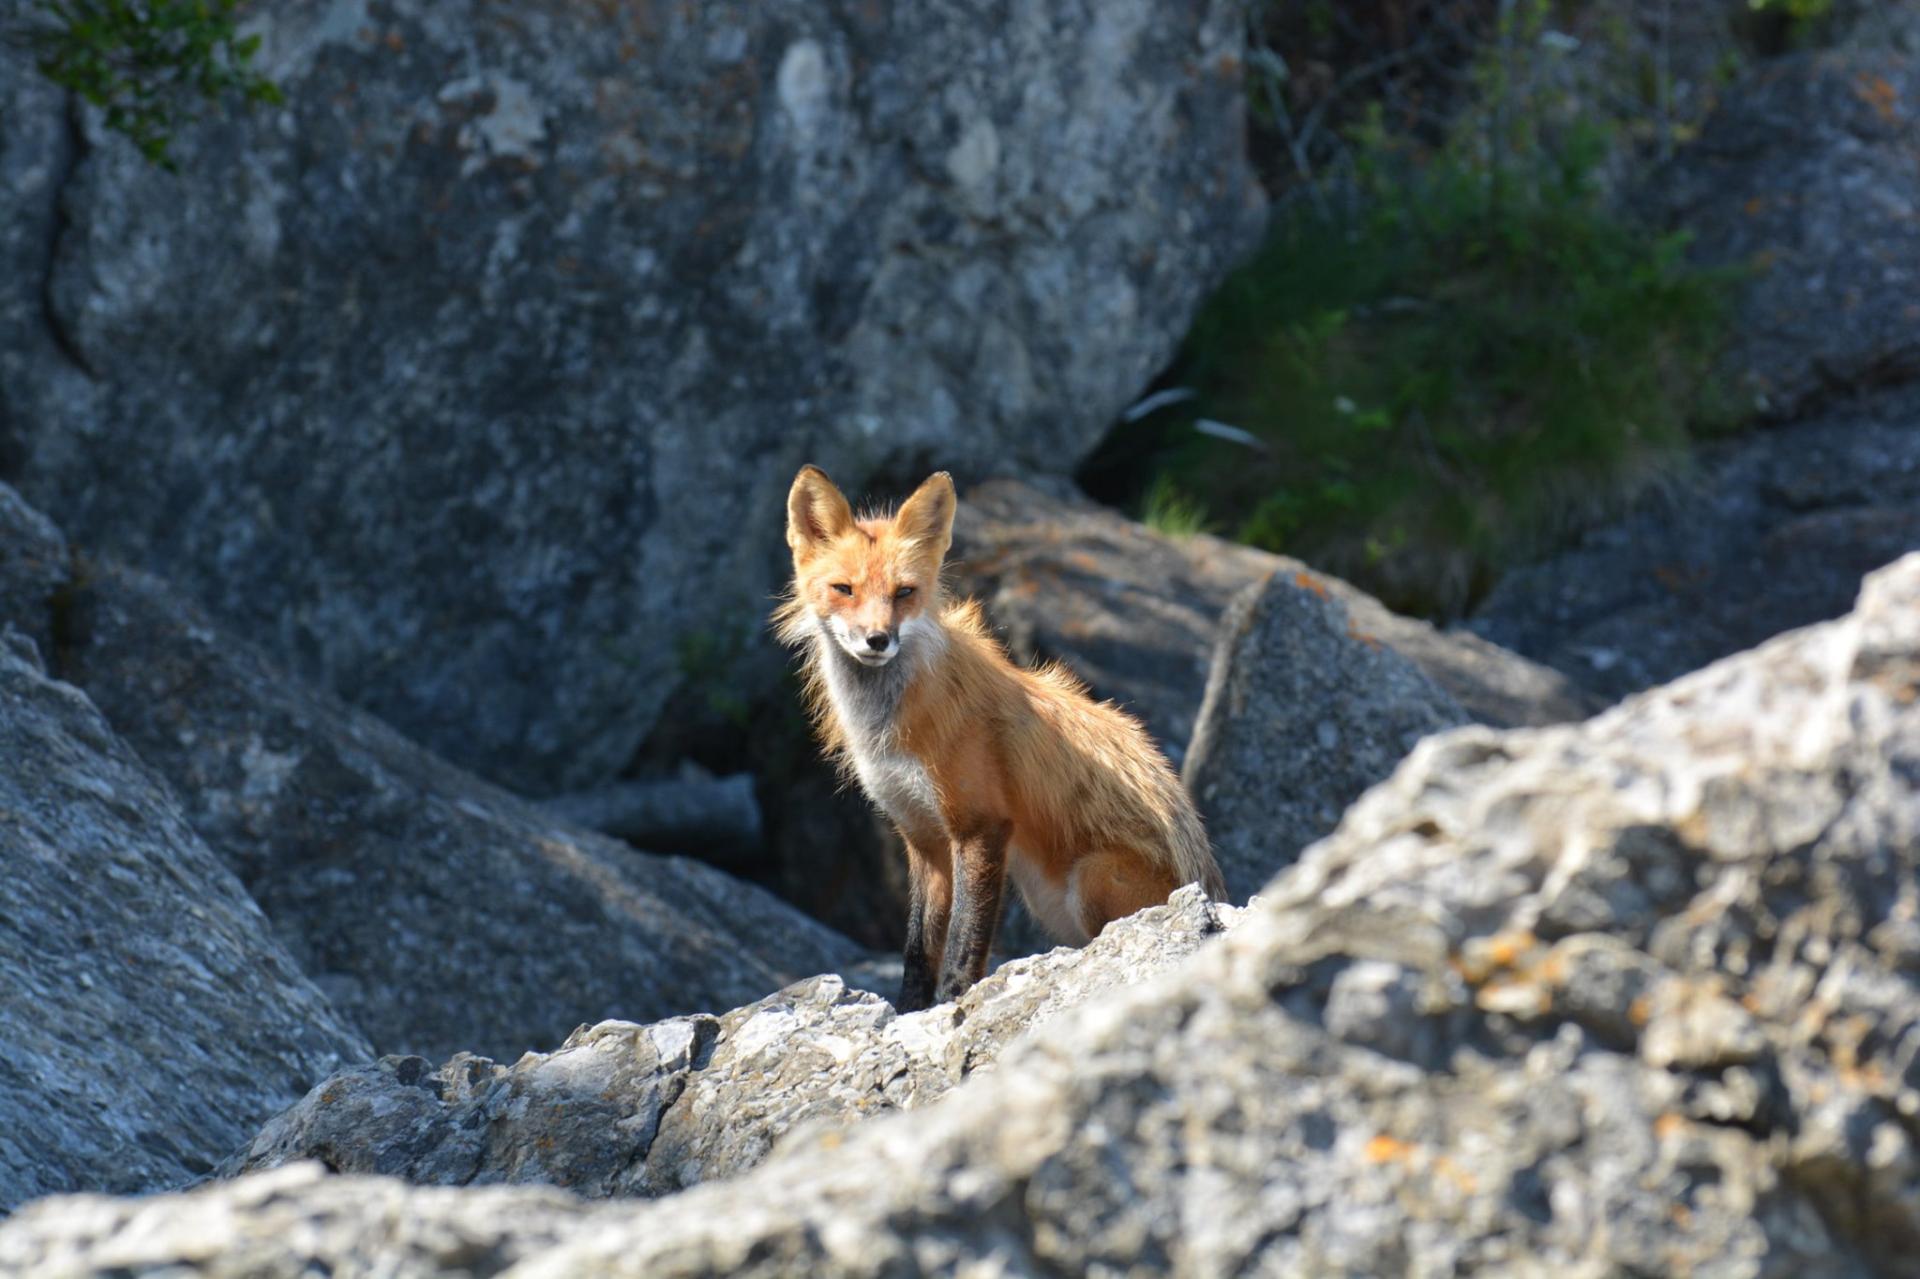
{"type": "Point", "coordinates": [987, 769]}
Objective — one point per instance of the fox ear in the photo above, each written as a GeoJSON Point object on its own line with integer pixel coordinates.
{"type": "Point", "coordinates": [927, 517]}
{"type": "Point", "coordinates": [816, 511]}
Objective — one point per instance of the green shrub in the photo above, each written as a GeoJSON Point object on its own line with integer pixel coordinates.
{"type": "Point", "coordinates": [1168, 510]}
{"type": "Point", "coordinates": [1478, 358]}
{"type": "Point", "coordinates": [147, 64]}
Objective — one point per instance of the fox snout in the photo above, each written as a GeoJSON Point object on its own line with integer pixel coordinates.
{"type": "Point", "coordinates": [873, 646]}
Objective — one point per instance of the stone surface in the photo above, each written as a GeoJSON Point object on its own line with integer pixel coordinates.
{"type": "Point", "coordinates": [1638, 995]}
{"type": "Point", "coordinates": [467, 384]}
{"type": "Point", "coordinates": [299, 1221]}
{"type": "Point", "coordinates": [35, 565]}
{"type": "Point", "coordinates": [621, 1109]}
{"type": "Point", "coordinates": [437, 911]}
{"type": "Point", "coordinates": [1805, 175]}
{"type": "Point", "coordinates": [1771, 531]}
{"type": "Point", "coordinates": [714, 818]}
{"type": "Point", "coordinates": [148, 1019]}
{"type": "Point", "coordinates": [1303, 712]}
{"type": "Point", "coordinates": [1136, 613]}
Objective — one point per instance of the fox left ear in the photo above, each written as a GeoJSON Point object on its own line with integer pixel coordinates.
{"type": "Point", "coordinates": [817, 512]}
{"type": "Point", "coordinates": [926, 519]}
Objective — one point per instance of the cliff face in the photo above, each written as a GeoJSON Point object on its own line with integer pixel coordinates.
{"type": "Point", "coordinates": [149, 1018]}
{"type": "Point", "coordinates": [468, 383]}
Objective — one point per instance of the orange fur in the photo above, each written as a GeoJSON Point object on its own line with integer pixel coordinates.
{"type": "Point", "coordinates": [958, 740]}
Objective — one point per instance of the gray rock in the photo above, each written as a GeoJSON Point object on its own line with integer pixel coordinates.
{"type": "Point", "coordinates": [621, 1109]}
{"type": "Point", "coordinates": [1805, 176]}
{"type": "Point", "coordinates": [437, 911]}
{"type": "Point", "coordinates": [468, 383]}
{"type": "Point", "coordinates": [717, 818]}
{"type": "Point", "coordinates": [1771, 531]}
{"type": "Point", "coordinates": [1136, 613]}
{"type": "Point", "coordinates": [300, 1221]}
{"type": "Point", "coordinates": [1751, 834]}
{"type": "Point", "coordinates": [35, 566]}
{"type": "Point", "coordinates": [148, 1018]}
{"type": "Point", "coordinates": [1303, 712]}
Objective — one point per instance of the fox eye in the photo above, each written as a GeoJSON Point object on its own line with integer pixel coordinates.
{"type": "Point", "coordinates": [843, 588]}
{"type": "Point", "coordinates": [903, 592]}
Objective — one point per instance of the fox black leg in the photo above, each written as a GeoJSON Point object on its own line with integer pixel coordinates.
{"type": "Point", "coordinates": [979, 885]}
{"type": "Point", "coordinates": [930, 899]}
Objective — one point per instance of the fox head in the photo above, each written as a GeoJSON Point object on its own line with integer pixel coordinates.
{"type": "Point", "coordinates": [870, 585]}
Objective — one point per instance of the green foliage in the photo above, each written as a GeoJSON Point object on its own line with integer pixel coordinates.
{"type": "Point", "coordinates": [1477, 358]}
{"type": "Point", "coordinates": [1799, 10]}
{"type": "Point", "coordinates": [1168, 510]}
{"type": "Point", "coordinates": [148, 63]}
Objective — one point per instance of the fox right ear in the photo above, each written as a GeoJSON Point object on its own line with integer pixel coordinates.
{"type": "Point", "coordinates": [816, 511]}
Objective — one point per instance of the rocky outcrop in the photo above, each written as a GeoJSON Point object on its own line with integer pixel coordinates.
{"type": "Point", "coordinates": [1805, 178]}
{"type": "Point", "coordinates": [468, 383]}
{"type": "Point", "coordinates": [621, 1109]}
{"type": "Point", "coordinates": [35, 567]}
{"type": "Point", "coordinates": [1136, 613]}
{"type": "Point", "coordinates": [1773, 530]}
{"type": "Point", "coordinates": [436, 911]}
{"type": "Point", "coordinates": [1303, 712]}
{"type": "Point", "coordinates": [148, 1018]}
{"type": "Point", "coordinates": [1636, 995]}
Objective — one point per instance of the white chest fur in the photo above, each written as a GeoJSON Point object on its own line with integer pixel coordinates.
{"type": "Point", "coordinates": [867, 703]}
{"type": "Point", "coordinates": [898, 783]}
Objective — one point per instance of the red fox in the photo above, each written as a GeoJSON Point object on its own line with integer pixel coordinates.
{"type": "Point", "coordinates": [983, 766]}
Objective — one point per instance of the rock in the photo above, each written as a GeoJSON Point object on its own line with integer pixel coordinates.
{"type": "Point", "coordinates": [1805, 175]}
{"type": "Point", "coordinates": [438, 912]}
{"type": "Point", "coordinates": [148, 1019]}
{"type": "Point", "coordinates": [34, 568]}
{"type": "Point", "coordinates": [621, 1109]}
{"type": "Point", "coordinates": [717, 818]}
{"type": "Point", "coordinates": [301, 1221]}
{"type": "Point", "coordinates": [468, 382]}
{"type": "Point", "coordinates": [1749, 836]}
{"type": "Point", "coordinates": [1772, 531]}
{"type": "Point", "coordinates": [1136, 613]}
{"type": "Point", "coordinates": [1303, 712]}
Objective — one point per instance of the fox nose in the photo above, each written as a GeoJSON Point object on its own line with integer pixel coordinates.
{"type": "Point", "coordinates": [878, 641]}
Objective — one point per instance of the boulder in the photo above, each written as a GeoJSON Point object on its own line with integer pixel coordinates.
{"type": "Point", "coordinates": [468, 382]}
{"type": "Point", "coordinates": [148, 1019]}
{"type": "Point", "coordinates": [35, 567]}
{"type": "Point", "coordinates": [1303, 712]}
{"type": "Point", "coordinates": [1804, 177]}
{"type": "Point", "coordinates": [438, 912]}
{"type": "Point", "coordinates": [1770, 531]}
{"type": "Point", "coordinates": [1637, 995]}
{"type": "Point", "coordinates": [301, 1221]}
{"type": "Point", "coordinates": [621, 1109]}
{"type": "Point", "coordinates": [1136, 613]}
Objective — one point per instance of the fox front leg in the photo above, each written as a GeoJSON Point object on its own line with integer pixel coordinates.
{"type": "Point", "coordinates": [979, 885]}
{"type": "Point", "coordinates": [930, 901]}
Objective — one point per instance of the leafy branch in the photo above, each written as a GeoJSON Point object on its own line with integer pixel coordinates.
{"type": "Point", "coordinates": [148, 64]}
